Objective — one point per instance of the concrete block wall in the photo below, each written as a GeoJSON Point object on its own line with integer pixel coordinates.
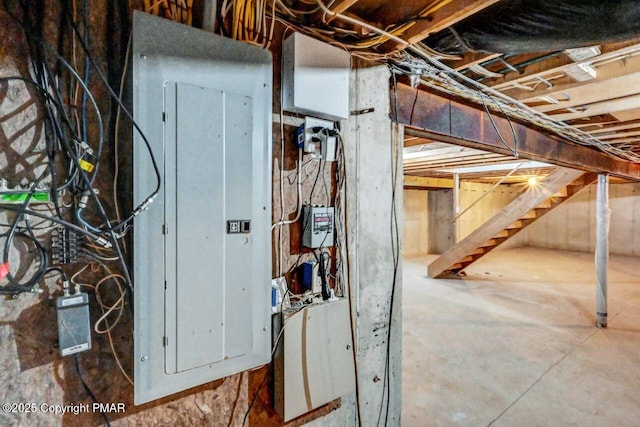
{"type": "Point", "coordinates": [571, 226]}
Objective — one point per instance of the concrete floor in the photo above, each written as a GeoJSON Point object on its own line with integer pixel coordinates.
{"type": "Point", "coordinates": [514, 343]}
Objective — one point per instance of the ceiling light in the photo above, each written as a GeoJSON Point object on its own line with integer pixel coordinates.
{"type": "Point", "coordinates": [532, 182]}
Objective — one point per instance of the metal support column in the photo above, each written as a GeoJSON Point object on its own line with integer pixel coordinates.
{"type": "Point", "coordinates": [456, 207]}
{"type": "Point", "coordinates": [602, 249]}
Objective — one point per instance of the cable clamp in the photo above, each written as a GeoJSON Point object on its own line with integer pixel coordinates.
{"type": "Point", "coordinates": [103, 242]}
{"type": "Point", "coordinates": [144, 206]}
{"type": "Point", "coordinates": [85, 147]}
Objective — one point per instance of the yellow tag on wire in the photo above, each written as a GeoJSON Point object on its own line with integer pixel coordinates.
{"type": "Point", "coordinates": [86, 165]}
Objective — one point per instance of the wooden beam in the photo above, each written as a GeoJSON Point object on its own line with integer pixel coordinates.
{"type": "Point", "coordinates": [450, 152]}
{"type": "Point", "coordinates": [340, 6]}
{"type": "Point", "coordinates": [560, 63]}
{"type": "Point", "coordinates": [625, 141]}
{"type": "Point", "coordinates": [598, 108]}
{"type": "Point", "coordinates": [473, 58]}
{"type": "Point", "coordinates": [597, 91]}
{"type": "Point", "coordinates": [619, 135]}
{"type": "Point", "coordinates": [607, 71]}
{"type": "Point", "coordinates": [436, 20]}
{"type": "Point", "coordinates": [615, 128]}
{"type": "Point", "coordinates": [426, 183]}
{"type": "Point", "coordinates": [433, 116]}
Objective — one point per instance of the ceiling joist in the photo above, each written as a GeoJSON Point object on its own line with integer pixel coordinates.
{"type": "Point", "coordinates": [431, 20]}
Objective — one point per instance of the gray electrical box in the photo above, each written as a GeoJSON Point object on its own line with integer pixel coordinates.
{"type": "Point", "coordinates": [315, 78]}
{"type": "Point", "coordinates": [74, 329]}
{"type": "Point", "coordinates": [318, 226]}
{"type": "Point", "coordinates": [202, 251]}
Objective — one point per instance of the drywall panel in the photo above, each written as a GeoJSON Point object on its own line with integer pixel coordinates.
{"type": "Point", "coordinates": [202, 300]}
{"type": "Point", "coordinates": [415, 238]}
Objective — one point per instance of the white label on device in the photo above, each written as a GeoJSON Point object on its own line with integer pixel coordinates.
{"type": "Point", "coordinates": [75, 349]}
{"type": "Point", "coordinates": [72, 301]}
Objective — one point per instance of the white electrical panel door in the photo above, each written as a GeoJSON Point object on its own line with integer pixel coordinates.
{"type": "Point", "coordinates": [202, 251]}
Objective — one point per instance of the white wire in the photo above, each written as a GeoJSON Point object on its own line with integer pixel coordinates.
{"type": "Point", "coordinates": [299, 203]}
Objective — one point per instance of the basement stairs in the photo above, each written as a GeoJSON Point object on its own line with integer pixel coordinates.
{"type": "Point", "coordinates": [558, 187]}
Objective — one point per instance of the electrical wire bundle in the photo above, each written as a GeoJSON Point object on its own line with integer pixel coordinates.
{"type": "Point", "coordinates": [423, 64]}
{"type": "Point", "coordinates": [63, 80]}
{"type": "Point", "coordinates": [74, 153]}
{"type": "Point", "coordinates": [246, 20]}
{"type": "Point", "coordinates": [175, 10]}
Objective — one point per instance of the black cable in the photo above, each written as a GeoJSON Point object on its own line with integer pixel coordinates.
{"type": "Point", "coordinates": [306, 221]}
{"type": "Point", "coordinates": [115, 97]}
{"type": "Point", "coordinates": [323, 275]}
{"type": "Point", "coordinates": [395, 247]}
{"type": "Point", "coordinates": [495, 127]}
{"type": "Point", "coordinates": [59, 270]}
{"type": "Point", "coordinates": [88, 390]}
{"type": "Point", "coordinates": [55, 219]}
{"type": "Point", "coordinates": [75, 156]}
{"type": "Point", "coordinates": [255, 396]}
{"type": "Point", "coordinates": [87, 69]}
{"type": "Point", "coordinates": [513, 129]}
{"type": "Point", "coordinates": [16, 286]}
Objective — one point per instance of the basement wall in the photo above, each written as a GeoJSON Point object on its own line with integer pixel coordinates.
{"type": "Point", "coordinates": [572, 225]}
{"type": "Point", "coordinates": [415, 236]}
{"type": "Point", "coordinates": [429, 215]}
{"type": "Point", "coordinates": [486, 208]}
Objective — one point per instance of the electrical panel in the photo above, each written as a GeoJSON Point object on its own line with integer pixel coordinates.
{"type": "Point", "coordinates": [202, 251]}
{"type": "Point", "coordinates": [318, 223]}
{"type": "Point", "coordinates": [315, 78]}
{"type": "Point", "coordinates": [313, 363]}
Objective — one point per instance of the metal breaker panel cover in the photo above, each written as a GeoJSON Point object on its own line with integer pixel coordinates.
{"type": "Point", "coordinates": [202, 251]}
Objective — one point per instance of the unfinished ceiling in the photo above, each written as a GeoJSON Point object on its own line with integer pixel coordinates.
{"type": "Point", "coordinates": [442, 160]}
{"type": "Point", "coordinates": [571, 67]}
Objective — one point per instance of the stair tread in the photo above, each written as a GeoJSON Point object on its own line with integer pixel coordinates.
{"type": "Point", "coordinates": [560, 196]}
